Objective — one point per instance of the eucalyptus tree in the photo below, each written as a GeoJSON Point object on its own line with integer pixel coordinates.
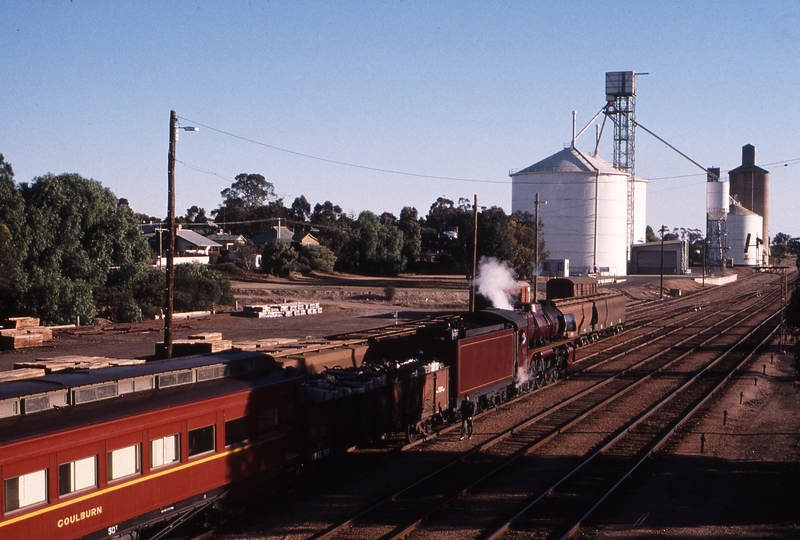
{"type": "Point", "coordinates": [76, 234]}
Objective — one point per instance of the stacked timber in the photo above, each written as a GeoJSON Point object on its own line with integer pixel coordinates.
{"type": "Point", "coordinates": [191, 315]}
{"type": "Point", "coordinates": [19, 339]}
{"type": "Point", "coordinates": [73, 363]}
{"type": "Point", "coordinates": [291, 309]}
{"type": "Point", "coordinates": [19, 374]}
{"type": "Point", "coordinates": [201, 343]}
{"type": "Point", "coordinates": [263, 344]}
{"type": "Point", "coordinates": [22, 333]}
{"type": "Point", "coordinates": [19, 323]}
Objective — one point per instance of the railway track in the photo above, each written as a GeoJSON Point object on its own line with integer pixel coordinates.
{"type": "Point", "coordinates": [429, 501]}
{"type": "Point", "coordinates": [561, 509]}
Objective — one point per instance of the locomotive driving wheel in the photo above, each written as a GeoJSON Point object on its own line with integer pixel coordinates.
{"type": "Point", "coordinates": [539, 373]}
{"type": "Point", "coordinates": [426, 427]}
{"type": "Point", "coordinates": [551, 374]}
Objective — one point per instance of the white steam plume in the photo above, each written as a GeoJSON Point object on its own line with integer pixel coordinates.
{"type": "Point", "coordinates": [494, 280]}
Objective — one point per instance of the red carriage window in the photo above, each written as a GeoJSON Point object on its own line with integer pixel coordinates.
{"type": "Point", "coordinates": [236, 431]}
{"type": "Point", "coordinates": [25, 490]}
{"type": "Point", "coordinates": [77, 475]}
{"type": "Point", "coordinates": [124, 462]}
{"type": "Point", "coordinates": [165, 450]}
{"type": "Point", "coordinates": [201, 440]}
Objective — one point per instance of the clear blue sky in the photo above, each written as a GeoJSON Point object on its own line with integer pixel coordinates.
{"type": "Point", "coordinates": [455, 89]}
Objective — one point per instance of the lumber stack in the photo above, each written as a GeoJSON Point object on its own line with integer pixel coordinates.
{"type": "Point", "coordinates": [262, 344]}
{"type": "Point", "coordinates": [201, 343]}
{"type": "Point", "coordinates": [73, 363]}
{"type": "Point", "coordinates": [190, 315]}
{"type": "Point", "coordinates": [19, 323]}
{"type": "Point", "coordinates": [291, 309]}
{"type": "Point", "coordinates": [23, 333]}
{"type": "Point", "coordinates": [19, 339]}
{"type": "Point", "coordinates": [19, 374]}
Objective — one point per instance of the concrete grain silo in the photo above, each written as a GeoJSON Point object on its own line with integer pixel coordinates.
{"type": "Point", "coordinates": [717, 203]}
{"type": "Point", "coordinates": [585, 218]}
{"type": "Point", "coordinates": [749, 186]}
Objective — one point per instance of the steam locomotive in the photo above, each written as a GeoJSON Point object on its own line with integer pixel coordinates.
{"type": "Point", "coordinates": [116, 452]}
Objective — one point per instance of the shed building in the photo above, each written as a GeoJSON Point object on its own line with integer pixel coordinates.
{"type": "Point", "coordinates": [646, 258]}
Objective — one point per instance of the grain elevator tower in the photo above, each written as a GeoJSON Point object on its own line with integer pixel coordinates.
{"type": "Point", "coordinates": [750, 188]}
{"type": "Point", "coordinates": [621, 108]}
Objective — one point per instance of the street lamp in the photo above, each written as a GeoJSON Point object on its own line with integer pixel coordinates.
{"type": "Point", "coordinates": [170, 292]}
{"type": "Point", "coordinates": [662, 230]}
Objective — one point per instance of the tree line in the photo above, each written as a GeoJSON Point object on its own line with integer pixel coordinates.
{"type": "Point", "coordinates": [71, 250]}
{"type": "Point", "coordinates": [373, 244]}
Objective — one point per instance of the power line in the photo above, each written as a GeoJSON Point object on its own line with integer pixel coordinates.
{"type": "Point", "coordinates": [342, 163]}
{"type": "Point", "coordinates": [785, 162]}
{"type": "Point", "coordinates": [203, 171]}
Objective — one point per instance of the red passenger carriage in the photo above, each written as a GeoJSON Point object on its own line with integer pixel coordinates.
{"type": "Point", "coordinates": [103, 468]}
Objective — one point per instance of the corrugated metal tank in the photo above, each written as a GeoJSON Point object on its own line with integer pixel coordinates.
{"type": "Point", "coordinates": [742, 222]}
{"type": "Point", "coordinates": [585, 218]}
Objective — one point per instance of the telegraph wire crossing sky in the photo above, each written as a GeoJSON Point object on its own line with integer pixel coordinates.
{"type": "Point", "coordinates": [385, 105]}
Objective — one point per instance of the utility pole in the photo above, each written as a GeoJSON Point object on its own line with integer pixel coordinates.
{"type": "Point", "coordinates": [705, 243]}
{"type": "Point", "coordinates": [662, 230]}
{"type": "Point", "coordinates": [173, 135]}
{"type": "Point", "coordinates": [170, 288]}
{"type": "Point", "coordinates": [474, 254]}
{"type": "Point", "coordinates": [536, 248]}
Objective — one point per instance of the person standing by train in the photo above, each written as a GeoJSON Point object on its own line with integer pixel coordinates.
{"type": "Point", "coordinates": [467, 412]}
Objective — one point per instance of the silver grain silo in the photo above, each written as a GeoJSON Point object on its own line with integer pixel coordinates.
{"type": "Point", "coordinates": [585, 218]}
